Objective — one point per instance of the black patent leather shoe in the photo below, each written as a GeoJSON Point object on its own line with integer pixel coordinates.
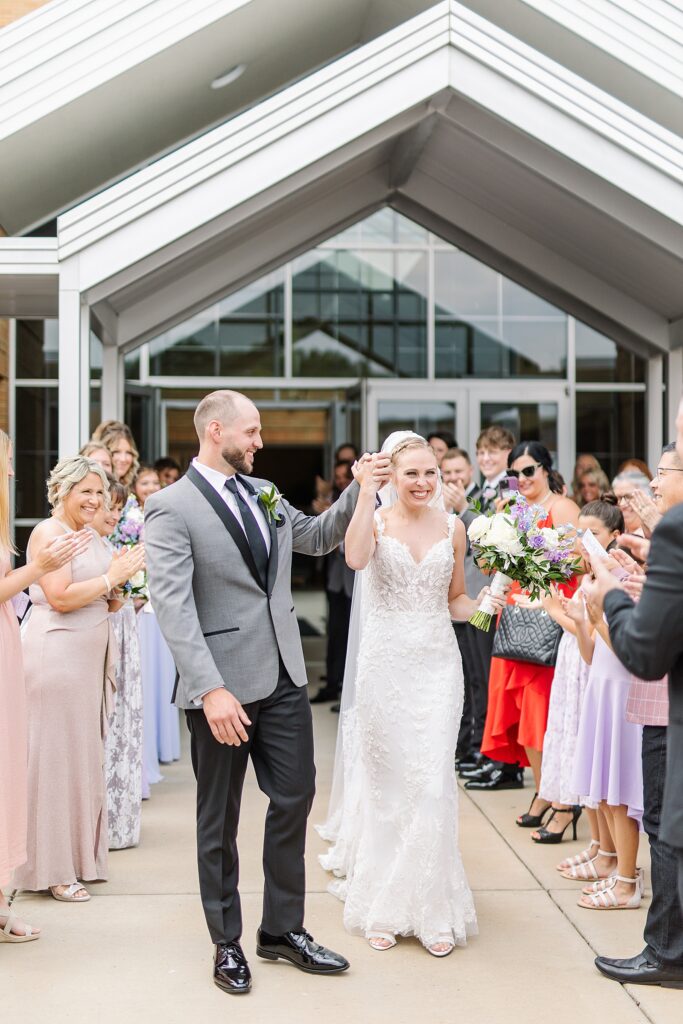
{"type": "Point", "coordinates": [639, 970]}
{"type": "Point", "coordinates": [471, 762]}
{"type": "Point", "coordinates": [231, 970]}
{"type": "Point", "coordinates": [499, 778]}
{"type": "Point", "coordinates": [480, 771]}
{"type": "Point", "coordinates": [300, 949]}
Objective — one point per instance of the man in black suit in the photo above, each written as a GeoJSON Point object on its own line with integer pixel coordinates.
{"type": "Point", "coordinates": [648, 639]}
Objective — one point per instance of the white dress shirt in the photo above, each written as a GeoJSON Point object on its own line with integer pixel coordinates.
{"type": "Point", "coordinates": [218, 481]}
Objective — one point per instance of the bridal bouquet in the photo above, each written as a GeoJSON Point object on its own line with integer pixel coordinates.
{"type": "Point", "coordinates": [517, 548]}
{"type": "Point", "coordinates": [127, 534]}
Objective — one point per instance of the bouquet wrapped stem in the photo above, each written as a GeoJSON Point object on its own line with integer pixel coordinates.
{"type": "Point", "coordinates": [483, 617]}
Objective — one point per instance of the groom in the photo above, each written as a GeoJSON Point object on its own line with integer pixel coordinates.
{"type": "Point", "coordinates": [219, 556]}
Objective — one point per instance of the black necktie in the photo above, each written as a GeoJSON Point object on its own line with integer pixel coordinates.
{"type": "Point", "coordinates": [251, 528]}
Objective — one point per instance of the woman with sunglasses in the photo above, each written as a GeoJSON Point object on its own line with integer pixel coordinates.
{"type": "Point", "coordinates": [519, 691]}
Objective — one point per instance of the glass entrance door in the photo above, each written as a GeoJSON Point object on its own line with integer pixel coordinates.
{"type": "Point", "coordinates": [542, 414]}
{"type": "Point", "coordinates": [415, 405]}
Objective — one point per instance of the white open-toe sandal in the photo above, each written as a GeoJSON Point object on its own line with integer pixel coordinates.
{"type": "Point", "coordinates": [6, 933]}
{"type": "Point", "coordinates": [381, 940]}
{"type": "Point", "coordinates": [69, 894]}
{"type": "Point", "coordinates": [446, 941]}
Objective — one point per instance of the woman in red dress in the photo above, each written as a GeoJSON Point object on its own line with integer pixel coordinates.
{"type": "Point", "coordinates": [519, 691]}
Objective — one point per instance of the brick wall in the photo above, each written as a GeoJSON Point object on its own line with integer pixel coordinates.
{"type": "Point", "coordinates": [10, 10]}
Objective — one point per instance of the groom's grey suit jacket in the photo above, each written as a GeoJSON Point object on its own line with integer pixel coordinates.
{"type": "Point", "coordinates": [223, 625]}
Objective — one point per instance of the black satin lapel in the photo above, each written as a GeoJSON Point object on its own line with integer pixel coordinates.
{"type": "Point", "coordinates": [228, 520]}
{"type": "Point", "coordinates": [273, 556]}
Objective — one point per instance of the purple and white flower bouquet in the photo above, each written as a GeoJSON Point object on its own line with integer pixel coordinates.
{"type": "Point", "coordinates": [517, 548]}
{"type": "Point", "coordinates": [127, 534]}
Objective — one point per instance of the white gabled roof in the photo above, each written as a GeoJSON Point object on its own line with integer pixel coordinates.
{"type": "Point", "coordinates": [450, 119]}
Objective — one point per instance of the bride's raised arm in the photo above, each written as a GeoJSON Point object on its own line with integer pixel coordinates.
{"type": "Point", "coordinates": [359, 543]}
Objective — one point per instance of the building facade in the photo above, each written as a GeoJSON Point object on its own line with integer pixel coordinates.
{"type": "Point", "coordinates": [435, 216]}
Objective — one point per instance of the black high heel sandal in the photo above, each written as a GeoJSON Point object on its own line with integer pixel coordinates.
{"type": "Point", "coordinates": [532, 820]}
{"type": "Point", "coordinates": [545, 836]}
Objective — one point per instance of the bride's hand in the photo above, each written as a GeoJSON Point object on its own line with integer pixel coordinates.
{"type": "Point", "coordinates": [497, 600]}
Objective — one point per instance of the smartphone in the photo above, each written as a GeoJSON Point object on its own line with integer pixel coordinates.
{"type": "Point", "coordinates": [597, 553]}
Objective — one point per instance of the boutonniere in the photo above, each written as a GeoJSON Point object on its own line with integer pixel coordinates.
{"type": "Point", "coordinates": [269, 497]}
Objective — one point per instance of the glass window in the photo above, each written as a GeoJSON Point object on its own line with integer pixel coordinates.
{"type": "Point", "coordinates": [189, 349]}
{"type": "Point", "coordinates": [527, 348]}
{"type": "Point", "coordinates": [611, 426]}
{"type": "Point", "coordinates": [528, 421]}
{"type": "Point", "coordinates": [37, 349]}
{"type": "Point", "coordinates": [360, 314]}
{"type": "Point", "coordinates": [35, 447]}
{"type": "Point", "coordinates": [463, 285]}
{"type": "Point", "coordinates": [385, 227]}
{"type": "Point", "coordinates": [518, 301]}
{"type": "Point", "coordinates": [600, 359]}
{"type": "Point", "coordinates": [132, 365]}
{"type": "Point", "coordinates": [422, 417]}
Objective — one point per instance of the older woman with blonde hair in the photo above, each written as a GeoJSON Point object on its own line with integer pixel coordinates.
{"type": "Point", "coordinates": [118, 439]}
{"type": "Point", "coordinates": [13, 733]}
{"type": "Point", "coordinates": [69, 666]}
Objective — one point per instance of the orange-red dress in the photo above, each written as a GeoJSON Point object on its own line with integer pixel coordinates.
{"type": "Point", "coordinates": [519, 697]}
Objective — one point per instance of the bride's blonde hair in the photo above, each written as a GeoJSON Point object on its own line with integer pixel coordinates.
{"type": "Point", "coordinates": [404, 446]}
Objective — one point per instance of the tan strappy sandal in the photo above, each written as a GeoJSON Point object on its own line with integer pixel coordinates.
{"type": "Point", "coordinates": [607, 900]}
{"type": "Point", "coordinates": [69, 894]}
{"type": "Point", "coordinates": [579, 858]}
{"type": "Point", "coordinates": [587, 871]}
{"type": "Point", "coordinates": [6, 934]}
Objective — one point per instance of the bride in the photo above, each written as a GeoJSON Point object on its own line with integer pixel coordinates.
{"type": "Point", "coordinates": [393, 815]}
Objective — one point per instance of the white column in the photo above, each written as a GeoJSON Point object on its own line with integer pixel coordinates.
{"type": "Point", "coordinates": [112, 377]}
{"type": "Point", "coordinates": [675, 378]}
{"type": "Point", "coordinates": [70, 403]}
{"type": "Point", "coordinates": [655, 409]}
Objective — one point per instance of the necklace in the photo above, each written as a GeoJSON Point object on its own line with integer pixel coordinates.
{"type": "Point", "coordinates": [547, 495]}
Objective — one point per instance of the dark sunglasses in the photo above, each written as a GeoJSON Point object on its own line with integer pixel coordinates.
{"type": "Point", "coordinates": [528, 471]}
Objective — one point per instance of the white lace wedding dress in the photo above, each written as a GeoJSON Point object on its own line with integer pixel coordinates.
{"type": "Point", "coordinates": [395, 846]}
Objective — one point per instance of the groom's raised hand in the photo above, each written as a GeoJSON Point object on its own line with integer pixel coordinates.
{"type": "Point", "coordinates": [226, 717]}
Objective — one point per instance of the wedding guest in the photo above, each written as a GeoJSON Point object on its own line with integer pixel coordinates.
{"type": "Point", "coordinates": [161, 720]}
{"type": "Point", "coordinates": [459, 489]}
{"type": "Point", "coordinates": [339, 591]}
{"type": "Point", "coordinates": [168, 470]}
{"type": "Point", "coordinates": [592, 485]}
{"type": "Point", "coordinates": [606, 523]}
{"type": "Point", "coordinates": [13, 725]}
{"type": "Point", "coordinates": [608, 757]}
{"type": "Point", "coordinates": [440, 441]}
{"type": "Point", "coordinates": [123, 744]}
{"type": "Point", "coordinates": [584, 463]}
{"type": "Point", "coordinates": [69, 658]}
{"type": "Point", "coordinates": [519, 691]}
{"type": "Point", "coordinates": [98, 452]}
{"type": "Point", "coordinates": [494, 445]}
{"type": "Point", "coordinates": [117, 437]}
{"type": "Point", "coordinates": [346, 452]}
{"type": "Point", "coordinates": [635, 466]}
{"type": "Point", "coordinates": [648, 638]}
{"type": "Point", "coordinates": [623, 486]}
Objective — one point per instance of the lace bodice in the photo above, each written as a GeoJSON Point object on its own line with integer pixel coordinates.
{"type": "Point", "coordinates": [395, 582]}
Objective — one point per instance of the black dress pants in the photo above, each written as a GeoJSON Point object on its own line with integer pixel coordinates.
{"type": "Point", "coordinates": [281, 748]}
{"type": "Point", "coordinates": [475, 647]}
{"type": "Point", "coordinates": [664, 924]}
{"type": "Point", "coordinates": [338, 619]}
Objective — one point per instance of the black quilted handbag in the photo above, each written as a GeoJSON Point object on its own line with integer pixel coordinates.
{"type": "Point", "coordinates": [527, 634]}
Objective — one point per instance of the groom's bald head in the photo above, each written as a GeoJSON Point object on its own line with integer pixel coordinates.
{"type": "Point", "coordinates": [224, 407]}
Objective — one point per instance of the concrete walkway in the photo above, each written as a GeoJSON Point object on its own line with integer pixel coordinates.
{"type": "Point", "coordinates": [139, 950]}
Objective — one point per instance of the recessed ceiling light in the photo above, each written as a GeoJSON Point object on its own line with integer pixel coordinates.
{"type": "Point", "coordinates": [231, 75]}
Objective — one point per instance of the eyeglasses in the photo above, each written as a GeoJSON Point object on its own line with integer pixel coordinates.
{"type": "Point", "coordinates": [663, 470]}
{"type": "Point", "coordinates": [528, 471]}
{"type": "Point", "coordinates": [624, 501]}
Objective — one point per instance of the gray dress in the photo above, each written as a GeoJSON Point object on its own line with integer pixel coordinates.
{"type": "Point", "coordinates": [123, 747]}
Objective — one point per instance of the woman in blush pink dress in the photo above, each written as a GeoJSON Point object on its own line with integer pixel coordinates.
{"type": "Point", "coordinates": [13, 735]}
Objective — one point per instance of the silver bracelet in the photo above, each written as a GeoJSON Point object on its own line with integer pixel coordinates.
{"type": "Point", "coordinates": [107, 582]}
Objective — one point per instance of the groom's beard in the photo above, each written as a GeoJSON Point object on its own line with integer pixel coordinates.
{"type": "Point", "coordinates": [238, 460]}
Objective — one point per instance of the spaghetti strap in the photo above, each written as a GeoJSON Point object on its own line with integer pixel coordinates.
{"type": "Point", "coordinates": [452, 519]}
